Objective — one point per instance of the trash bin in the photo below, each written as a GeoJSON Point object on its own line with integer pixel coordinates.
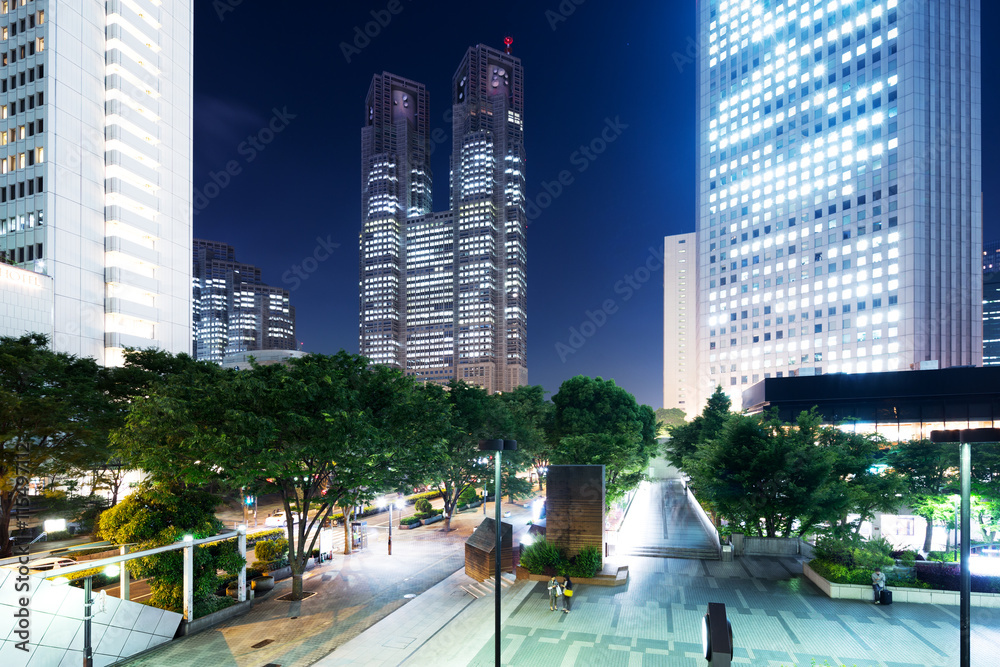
{"type": "Point", "coordinates": [727, 552]}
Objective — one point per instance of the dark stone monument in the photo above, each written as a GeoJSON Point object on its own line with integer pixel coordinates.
{"type": "Point", "coordinates": [575, 507]}
{"type": "Point", "coordinates": [480, 550]}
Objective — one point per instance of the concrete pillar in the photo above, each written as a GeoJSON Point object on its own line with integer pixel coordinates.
{"type": "Point", "coordinates": [241, 590]}
{"type": "Point", "coordinates": [123, 577]}
{"type": "Point", "coordinates": [189, 583]}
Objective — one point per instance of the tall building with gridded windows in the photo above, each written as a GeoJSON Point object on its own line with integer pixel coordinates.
{"type": "Point", "coordinates": [443, 295]}
{"type": "Point", "coordinates": [95, 170]}
{"type": "Point", "coordinates": [839, 188]}
{"type": "Point", "coordinates": [234, 310]}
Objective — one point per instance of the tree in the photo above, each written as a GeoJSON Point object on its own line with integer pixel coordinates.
{"type": "Point", "coordinates": [49, 408]}
{"type": "Point", "coordinates": [686, 439]}
{"type": "Point", "coordinates": [597, 422]}
{"type": "Point", "coordinates": [667, 417]}
{"type": "Point", "coordinates": [531, 417]}
{"type": "Point", "coordinates": [855, 485]}
{"type": "Point", "coordinates": [156, 516]}
{"type": "Point", "coordinates": [926, 468]}
{"type": "Point", "coordinates": [321, 431]}
{"type": "Point", "coordinates": [455, 462]}
{"type": "Point", "coordinates": [763, 475]}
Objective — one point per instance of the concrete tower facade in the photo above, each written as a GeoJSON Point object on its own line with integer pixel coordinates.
{"type": "Point", "coordinates": [95, 190]}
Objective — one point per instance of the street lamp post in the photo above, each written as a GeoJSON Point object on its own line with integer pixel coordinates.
{"type": "Point", "coordinates": [381, 503]}
{"type": "Point", "coordinates": [966, 437]}
{"type": "Point", "coordinates": [497, 446]}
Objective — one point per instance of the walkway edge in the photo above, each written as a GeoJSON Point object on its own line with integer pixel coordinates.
{"type": "Point", "coordinates": [417, 626]}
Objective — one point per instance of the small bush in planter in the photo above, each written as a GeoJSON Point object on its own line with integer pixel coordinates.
{"type": "Point", "coordinates": [409, 521]}
{"type": "Point", "coordinates": [586, 564]}
{"type": "Point", "coordinates": [271, 550]}
{"type": "Point", "coordinates": [539, 556]}
{"type": "Point", "coordinates": [467, 496]}
{"type": "Point", "coordinates": [423, 506]}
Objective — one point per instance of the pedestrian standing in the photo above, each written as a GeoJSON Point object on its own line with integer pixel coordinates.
{"type": "Point", "coordinates": [567, 594]}
{"type": "Point", "coordinates": [554, 593]}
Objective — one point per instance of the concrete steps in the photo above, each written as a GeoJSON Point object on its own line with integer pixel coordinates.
{"type": "Point", "coordinates": [673, 552]}
{"type": "Point", "coordinates": [480, 589]}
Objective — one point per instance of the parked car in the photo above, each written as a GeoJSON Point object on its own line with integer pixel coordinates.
{"type": "Point", "coordinates": [276, 520]}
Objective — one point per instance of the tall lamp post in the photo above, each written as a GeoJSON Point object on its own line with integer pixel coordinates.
{"type": "Point", "coordinates": [399, 505]}
{"type": "Point", "coordinates": [966, 437]}
{"type": "Point", "coordinates": [497, 446]}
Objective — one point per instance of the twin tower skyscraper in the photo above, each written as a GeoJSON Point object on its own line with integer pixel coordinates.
{"type": "Point", "coordinates": [443, 295]}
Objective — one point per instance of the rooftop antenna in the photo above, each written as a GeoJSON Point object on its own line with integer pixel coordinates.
{"type": "Point", "coordinates": [508, 41]}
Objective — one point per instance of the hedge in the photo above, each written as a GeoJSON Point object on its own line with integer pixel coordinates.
{"type": "Point", "coordinates": [542, 557]}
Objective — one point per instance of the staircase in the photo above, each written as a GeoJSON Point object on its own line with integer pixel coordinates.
{"type": "Point", "coordinates": [660, 551]}
{"type": "Point", "coordinates": [480, 589]}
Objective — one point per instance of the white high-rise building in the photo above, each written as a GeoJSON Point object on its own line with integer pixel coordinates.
{"type": "Point", "coordinates": [680, 346]}
{"type": "Point", "coordinates": [95, 154]}
{"type": "Point", "coordinates": [839, 188]}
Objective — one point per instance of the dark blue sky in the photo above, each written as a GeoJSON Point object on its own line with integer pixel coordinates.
{"type": "Point", "coordinates": [606, 62]}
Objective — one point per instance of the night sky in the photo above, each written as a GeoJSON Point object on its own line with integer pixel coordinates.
{"type": "Point", "coordinates": [605, 64]}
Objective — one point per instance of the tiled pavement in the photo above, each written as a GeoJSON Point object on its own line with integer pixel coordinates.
{"type": "Point", "coordinates": [778, 618]}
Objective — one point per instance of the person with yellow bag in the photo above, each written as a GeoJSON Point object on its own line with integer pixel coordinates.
{"type": "Point", "coordinates": [567, 594]}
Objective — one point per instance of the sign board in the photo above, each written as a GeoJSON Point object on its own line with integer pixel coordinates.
{"type": "Point", "coordinates": [10, 274]}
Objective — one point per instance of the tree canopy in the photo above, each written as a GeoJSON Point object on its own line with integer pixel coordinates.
{"type": "Point", "coordinates": [597, 422]}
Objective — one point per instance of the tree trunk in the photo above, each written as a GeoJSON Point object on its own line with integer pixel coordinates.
{"type": "Point", "coordinates": [541, 483]}
{"type": "Point", "coordinates": [347, 530]}
{"type": "Point", "coordinates": [296, 583]}
{"type": "Point", "coordinates": [6, 503]}
{"type": "Point", "coordinates": [928, 535]}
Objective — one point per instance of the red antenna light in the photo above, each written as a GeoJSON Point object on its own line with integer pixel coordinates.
{"type": "Point", "coordinates": [508, 41]}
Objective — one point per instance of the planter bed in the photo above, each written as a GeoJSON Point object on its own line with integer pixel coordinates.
{"type": "Point", "coordinates": [899, 594]}
{"type": "Point", "coordinates": [432, 519]}
{"type": "Point", "coordinates": [607, 577]}
{"type": "Point", "coordinates": [409, 526]}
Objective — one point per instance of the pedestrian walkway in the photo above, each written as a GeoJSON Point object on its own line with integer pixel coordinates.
{"type": "Point", "coordinates": [779, 620]}
{"type": "Point", "coordinates": [662, 522]}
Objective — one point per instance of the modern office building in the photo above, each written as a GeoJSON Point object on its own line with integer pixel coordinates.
{"type": "Point", "coordinates": [839, 188]}
{"type": "Point", "coordinates": [991, 303]}
{"type": "Point", "coordinates": [680, 345]}
{"type": "Point", "coordinates": [443, 295]}
{"type": "Point", "coordinates": [95, 168]}
{"type": "Point", "coordinates": [234, 311]}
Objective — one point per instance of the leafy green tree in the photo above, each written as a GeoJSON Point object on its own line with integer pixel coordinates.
{"type": "Point", "coordinates": [155, 516]}
{"type": "Point", "coordinates": [667, 417]}
{"type": "Point", "coordinates": [50, 409]}
{"type": "Point", "coordinates": [597, 422]}
{"type": "Point", "coordinates": [926, 468]}
{"type": "Point", "coordinates": [855, 485]}
{"type": "Point", "coordinates": [763, 475]}
{"type": "Point", "coordinates": [531, 416]}
{"type": "Point", "coordinates": [686, 439]}
{"type": "Point", "coordinates": [322, 431]}
{"type": "Point", "coordinates": [455, 462]}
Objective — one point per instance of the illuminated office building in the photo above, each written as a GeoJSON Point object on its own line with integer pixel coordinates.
{"type": "Point", "coordinates": [95, 168]}
{"type": "Point", "coordinates": [839, 188]}
{"type": "Point", "coordinates": [680, 365]}
{"type": "Point", "coordinates": [991, 303]}
{"type": "Point", "coordinates": [443, 295]}
{"type": "Point", "coordinates": [234, 311]}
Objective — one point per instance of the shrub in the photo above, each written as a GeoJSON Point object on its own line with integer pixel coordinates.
{"type": "Point", "coordinates": [423, 506]}
{"type": "Point", "coordinates": [467, 496]}
{"type": "Point", "coordinates": [408, 521]}
{"type": "Point", "coordinates": [271, 550]}
{"type": "Point", "coordinates": [834, 551]}
{"type": "Point", "coordinates": [586, 564]}
{"type": "Point", "coordinates": [540, 556]}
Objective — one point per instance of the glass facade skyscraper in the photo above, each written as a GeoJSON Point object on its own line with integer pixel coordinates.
{"type": "Point", "coordinates": [839, 188]}
{"type": "Point", "coordinates": [443, 295]}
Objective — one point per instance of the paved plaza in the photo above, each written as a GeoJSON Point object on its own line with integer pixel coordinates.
{"type": "Point", "coordinates": [779, 618]}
